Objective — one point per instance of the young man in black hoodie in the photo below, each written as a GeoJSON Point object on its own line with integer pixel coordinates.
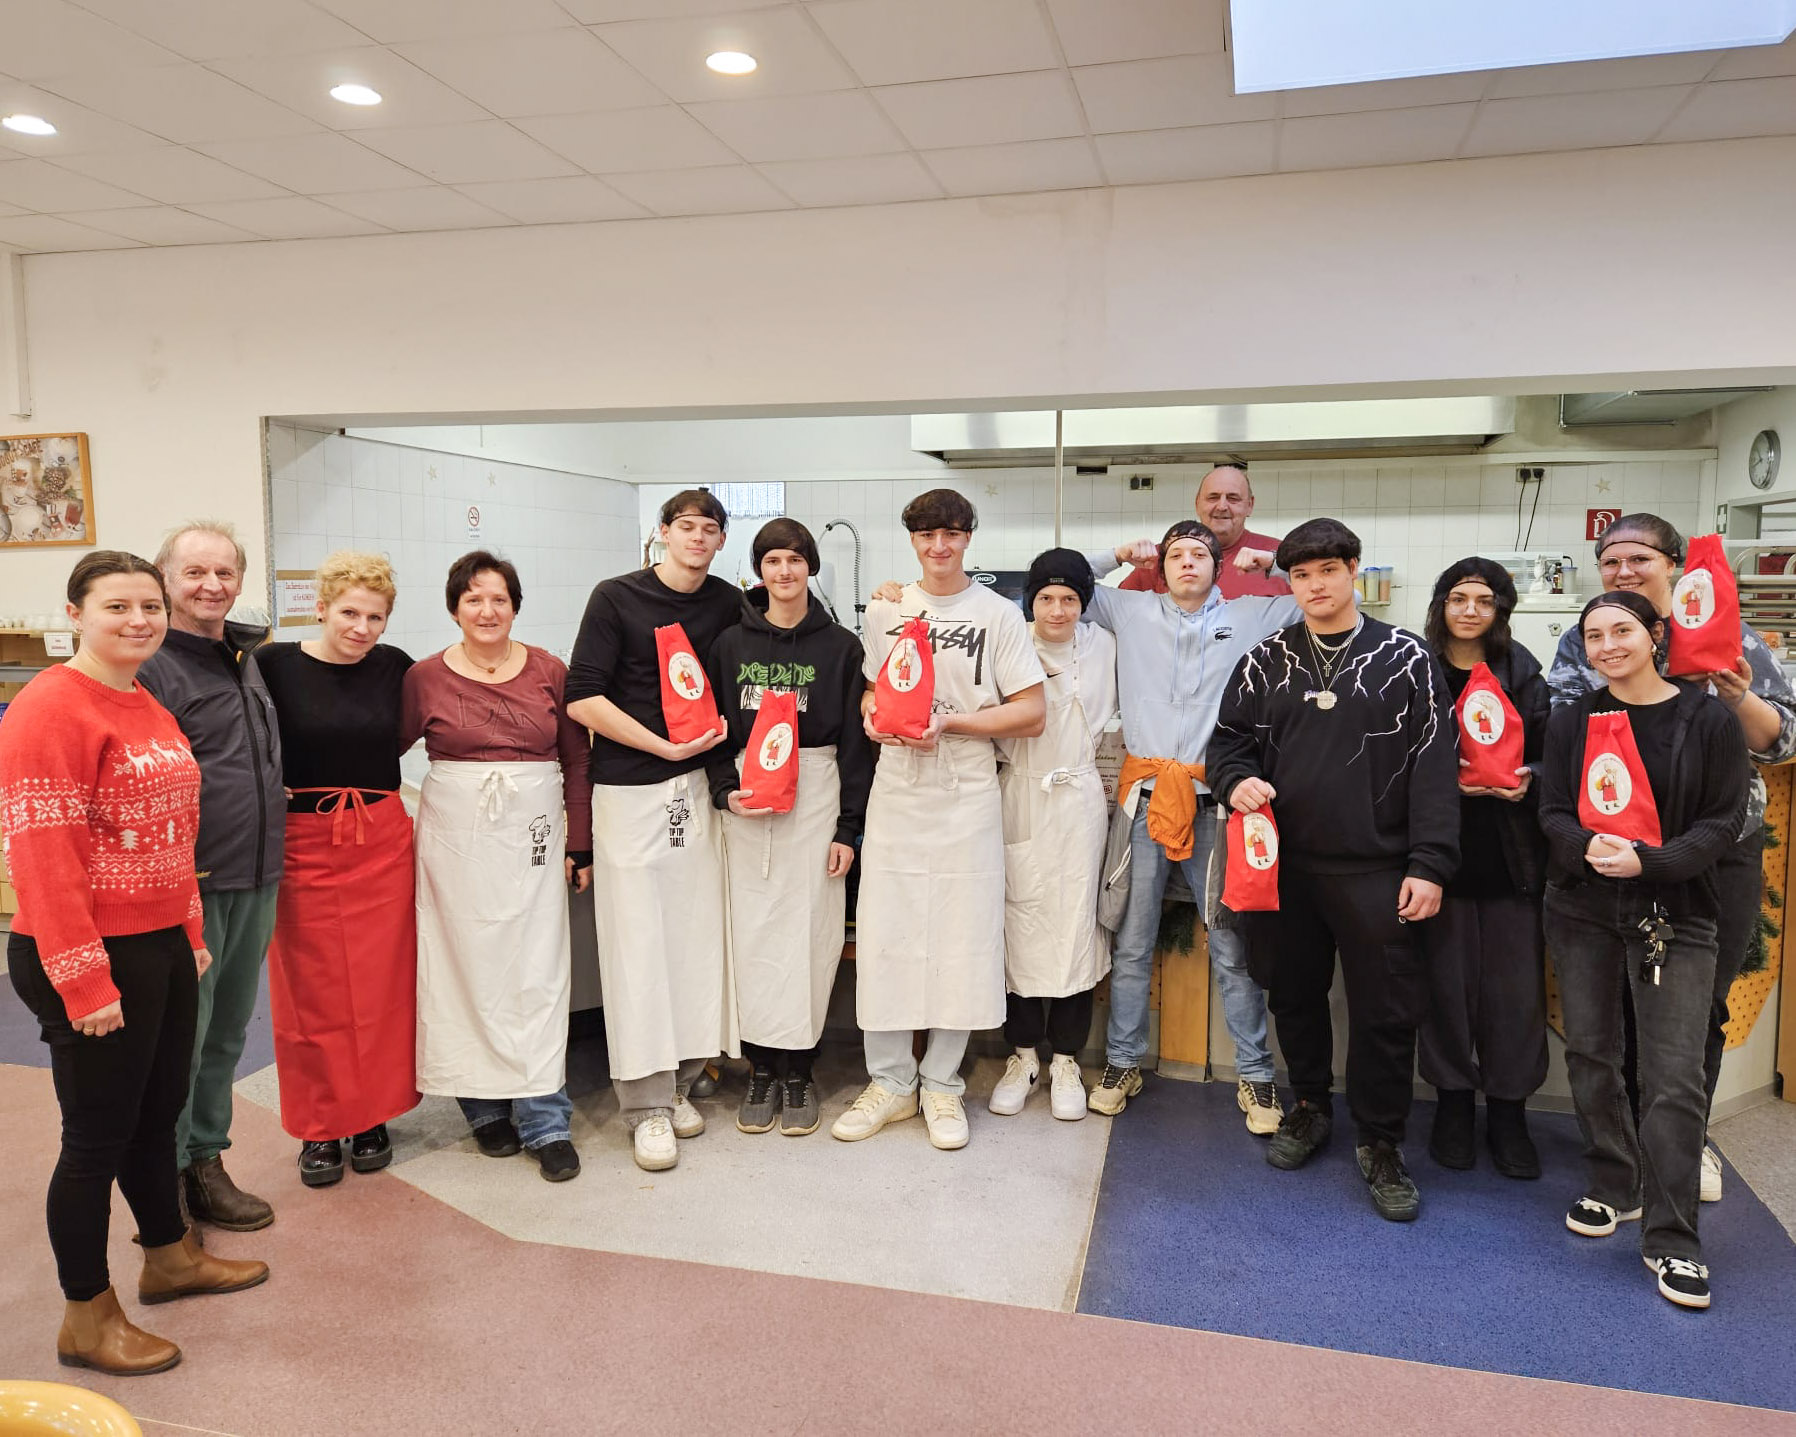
{"type": "Point", "coordinates": [1343, 726]}
{"type": "Point", "coordinates": [787, 873]}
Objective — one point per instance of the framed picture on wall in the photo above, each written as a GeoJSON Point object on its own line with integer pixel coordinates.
{"type": "Point", "coordinates": [46, 491]}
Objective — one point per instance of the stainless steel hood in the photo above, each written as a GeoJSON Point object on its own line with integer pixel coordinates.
{"type": "Point", "coordinates": [1645, 406]}
{"type": "Point", "coordinates": [1208, 434]}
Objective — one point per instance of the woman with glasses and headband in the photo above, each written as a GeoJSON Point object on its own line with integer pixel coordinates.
{"type": "Point", "coordinates": [1640, 553]}
{"type": "Point", "coordinates": [1486, 1027]}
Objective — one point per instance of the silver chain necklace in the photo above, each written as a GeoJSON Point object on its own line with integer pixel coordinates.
{"type": "Point", "coordinates": [1327, 658]}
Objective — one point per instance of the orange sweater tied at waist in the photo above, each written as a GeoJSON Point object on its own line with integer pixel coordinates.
{"type": "Point", "coordinates": [1172, 811]}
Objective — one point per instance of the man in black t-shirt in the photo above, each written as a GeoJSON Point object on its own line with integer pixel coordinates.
{"type": "Point", "coordinates": [658, 870]}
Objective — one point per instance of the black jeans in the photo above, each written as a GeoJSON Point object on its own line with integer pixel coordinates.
{"type": "Point", "coordinates": [1486, 1027]}
{"type": "Point", "coordinates": [783, 1061]}
{"type": "Point", "coordinates": [1064, 1022]}
{"type": "Point", "coordinates": [1655, 1163]}
{"type": "Point", "coordinates": [120, 1095]}
{"type": "Point", "coordinates": [1381, 965]}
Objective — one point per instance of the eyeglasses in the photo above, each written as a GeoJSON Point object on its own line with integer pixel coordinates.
{"type": "Point", "coordinates": [1634, 563]}
{"type": "Point", "coordinates": [1460, 604]}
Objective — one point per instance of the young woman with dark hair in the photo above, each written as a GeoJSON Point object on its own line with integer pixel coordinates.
{"type": "Point", "coordinates": [1632, 902]}
{"type": "Point", "coordinates": [1486, 1027]}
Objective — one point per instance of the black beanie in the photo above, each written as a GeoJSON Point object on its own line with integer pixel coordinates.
{"type": "Point", "coordinates": [1487, 572]}
{"type": "Point", "coordinates": [1066, 567]}
{"type": "Point", "coordinates": [1192, 529]}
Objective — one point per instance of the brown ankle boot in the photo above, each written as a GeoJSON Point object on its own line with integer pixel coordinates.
{"type": "Point", "coordinates": [212, 1197]}
{"type": "Point", "coordinates": [185, 1269]}
{"type": "Point", "coordinates": [97, 1334]}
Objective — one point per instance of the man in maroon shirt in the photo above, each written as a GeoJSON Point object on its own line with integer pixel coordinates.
{"type": "Point", "coordinates": [1224, 503]}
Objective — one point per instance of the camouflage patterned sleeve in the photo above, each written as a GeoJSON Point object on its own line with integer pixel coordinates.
{"type": "Point", "coordinates": [1772, 684]}
{"type": "Point", "coordinates": [1570, 676]}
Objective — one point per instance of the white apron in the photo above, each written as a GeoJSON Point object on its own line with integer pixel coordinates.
{"type": "Point", "coordinates": [663, 951]}
{"type": "Point", "coordinates": [786, 913]}
{"type": "Point", "coordinates": [493, 958]}
{"type": "Point", "coordinates": [929, 928]}
{"type": "Point", "coordinates": [1056, 821]}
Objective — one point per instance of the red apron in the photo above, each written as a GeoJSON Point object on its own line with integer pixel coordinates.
{"type": "Point", "coordinates": [343, 968]}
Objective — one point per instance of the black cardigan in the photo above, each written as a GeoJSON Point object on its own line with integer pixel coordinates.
{"type": "Point", "coordinates": [1700, 818]}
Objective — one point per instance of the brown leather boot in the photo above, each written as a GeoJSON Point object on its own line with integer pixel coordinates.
{"type": "Point", "coordinates": [185, 1269]}
{"type": "Point", "coordinates": [212, 1197]}
{"type": "Point", "coordinates": [97, 1334]}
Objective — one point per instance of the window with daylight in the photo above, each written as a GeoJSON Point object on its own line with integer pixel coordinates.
{"type": "Point", "coordinates": [752, 501]}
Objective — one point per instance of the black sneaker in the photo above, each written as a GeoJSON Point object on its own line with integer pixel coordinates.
{"type": "Point", "coordinates": [559, 1160]}
{"type": "Point", "coordinates": [800, 1114]}
{"type": "Point", "coordinates": [1590, 1218]}
{"type": "Point", "coordinates": [1301, 1134]}
{"type": "Point", "coordinates": [498, 1140]}
{"type": "Point", "coordinates": [321, 1164]}
{"type": "Point", "coordinates": [370, 1151]}
{"type": "Point", "coordinates": [1393, 1191]}
{"type": "Point", "coordinates": [1681, 1281]}
{"type": "Point", "coordinates": [1450, 1141]}
{"type": "Point", "coordinates": [761, 1103]}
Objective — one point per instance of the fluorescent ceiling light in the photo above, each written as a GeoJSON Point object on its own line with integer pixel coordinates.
{"type": "Point", "coordinates": [1291, 44]}
{"type": "Point", "coordinates": [355, 95]}
{"type": "Point", "coordinates": [29, 125]}
{"type": "Point", "coordinates": [731, 62]}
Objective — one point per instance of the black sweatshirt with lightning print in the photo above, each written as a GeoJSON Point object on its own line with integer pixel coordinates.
{"type": "Point", "coordinates": [1371, 782]}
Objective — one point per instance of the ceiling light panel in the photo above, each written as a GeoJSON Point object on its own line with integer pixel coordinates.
{"type": "Point", "coordinates": [33, 125]}
{"type": "Point", "coordinates": [303, 82]}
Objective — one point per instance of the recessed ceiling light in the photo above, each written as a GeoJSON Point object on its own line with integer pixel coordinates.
{"type": "Point", "coordinates": [29, 125]}
{"type": "Point", "coordinates": [731, 62]}
{"type": "Point", "coordinates": [355, 95]}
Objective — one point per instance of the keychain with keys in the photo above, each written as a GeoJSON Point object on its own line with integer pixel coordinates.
{"type": "Point", "coordinates": [1657, 932]}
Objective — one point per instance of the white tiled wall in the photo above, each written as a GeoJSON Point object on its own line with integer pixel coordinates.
{"type": "Point", "coordinates": [1416, 516]}
{"type": "Point", "coordinates": [564, 532]}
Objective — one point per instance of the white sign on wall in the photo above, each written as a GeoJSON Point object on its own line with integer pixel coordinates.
{"type": "Point", "coordinates": [295, 598]}
{"type": "Point", "coordinates": [473, 523]}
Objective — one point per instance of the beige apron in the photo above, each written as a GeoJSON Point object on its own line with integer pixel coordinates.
{"type": "Point", "coordinates": [493, 964]}
{"type": "Point", "coordinates": [663, 949]}
{"type": "Point", "coordinates": [786, 913]}
{"type": "Point", "coordinates": [929, 928]}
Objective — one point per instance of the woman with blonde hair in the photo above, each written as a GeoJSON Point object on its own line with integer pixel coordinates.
{"type": "Point", "coordinates": [343, 966]}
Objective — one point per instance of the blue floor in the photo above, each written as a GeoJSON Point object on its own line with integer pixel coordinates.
{"type": "Point", "coordinates": [1194, 1229]}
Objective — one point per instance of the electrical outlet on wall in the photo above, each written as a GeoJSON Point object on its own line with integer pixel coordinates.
{"type": "Point", "coordinates": [1141, 482]}
{"type": "Point", "coordinates": [1530, 474]}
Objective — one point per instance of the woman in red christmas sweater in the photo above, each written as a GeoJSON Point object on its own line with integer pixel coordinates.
{"type": "Point", "coordinates": [100, 797]}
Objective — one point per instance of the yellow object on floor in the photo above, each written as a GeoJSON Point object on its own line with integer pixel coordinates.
{"type": "Point", "coordinates": [38, 1409]}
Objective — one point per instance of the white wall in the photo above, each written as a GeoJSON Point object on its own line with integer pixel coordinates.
{"type": "Point", "coordinates": [1739, 423]}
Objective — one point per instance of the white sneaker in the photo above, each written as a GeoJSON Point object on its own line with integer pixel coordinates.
{"type": "Point", "coordinates": [1711, 1175]}
{"type": "Point", "coordinates": [872, 1110]}
{"type": "Point", "coordinates": [1066, 1088]}
{"type": "Point", "coordinates": [688, 1121]}
{"type": "Point", "coordinates": [654, 1144]}
{"type": "Point", "coordinates": [947, 1119]}
{"type": "Point", "coordinates": [1022, 1070]}
{"type": "Point", "coordinates": [1260, 1102]}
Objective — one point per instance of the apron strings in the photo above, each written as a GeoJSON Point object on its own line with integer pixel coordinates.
{"type": "Point", "coordinates": [496, 791]}
{"type": "Point", "coordinates": [335, 801]}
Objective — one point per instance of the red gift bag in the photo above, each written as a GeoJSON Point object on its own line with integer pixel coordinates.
{"type": "Point", "coordinates": [1705, 612]}
{"type": "Point", "coordinates": [687, 703]}
{"type": "Point", "coordinates": [1490, 733]}
{"type": "Point", "coordinates": [1250, 884]}
{"type": "Point", "coordinates": [1616, 797]}
{"type": "Point", "coordinates": [904, 693]}
{"type": "Point", "coordinates": [770, 762]}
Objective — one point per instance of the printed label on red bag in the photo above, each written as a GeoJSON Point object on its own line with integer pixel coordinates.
{"type": "Point", "coordinates": [684, 672]}
{"type": "Point", "coordinates": [1260, 840]}
{"type": "Point", "coordinates": [1693, 600]}
{"type": "Point", "coordinates": [776, 748]}
{"type": "Point", "coordinates": [904, 670]}
{"type": "Point", "coordinates": [1484, 720]}
{"type": "Point", "coordinates": [1610, 788]}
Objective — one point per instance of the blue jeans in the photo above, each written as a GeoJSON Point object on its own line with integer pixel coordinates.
{"type": "Point", "coordinates": [539, 1120]}
{"type": "Point", "coordinates": [1132, 956]}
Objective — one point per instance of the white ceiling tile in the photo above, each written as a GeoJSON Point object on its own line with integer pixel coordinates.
{"type": "Point", "coordinates": [723, 189]}
{"type": "Point", "coordinates": [291, 218]}
{"type": "Point", "coordinates": [1571, 122]}
{"type": "Point", "coordinates": [898, 42]}
{"type": "Point", "coordinates": [1407, 94]}
{"type": "Point", "coordinates": [794, 59]}
{"type": "Point", "coordinates": [1154, 94]}
{"type": "Point", "coordinates": [393, 21]}
{"type": "Point", "coordinates": [9, 211]}
{"type": "Point", "coordinates": [1755, 61]}
{"type": "Point", "coordinates": [79, 130]}
{"type": "Point", "coordinates": [1014, 169]}
{"type": "Point", "coordinates": [545, 72]}
{"type": "Point", "coordinates": [1631, 72]}
{"type": "Point", "coordinates": [598, 12]}
{"type": "Point", "coordinates": [1205, 153]}
{"type": "Point", "coordinates": [173, 175]}
{"type": "Point", "coordinates": [663, 137]}
{"type": "Point", "coordinates": [182, 103]}
{"type": "Point", "coordinates": [991, 110]}
{"type": "Point", "coordinates": [304, 83]}
{"type": "Point", "coordinates": [161, 225]}
{"type": "Point", "coordinates": [433, 208]}
{"type": "Point", "coordinates": [50, 235]}
{"type": "Point", "coordinates": [467, 154]}
{"type": "Point", "coordinates": [223, 29]}
{"type": "Point", "coordinates": [1373, 137]}
{"type": "Point", "coordinates": [44, 187]}
{"type": "Point", "coordinates": [314, 164]}
{"type": "Point", "coordinates": [54, 37]}
{"type": "Point", "coordinates": [577, 199]}
{"type": "Point", "coordinates": [864, 180]}
{"type": "Point", "coordinates": [1728, 109]}
{"type": "Point", "coordinates": [800, 127]}
{"type": "Point", "coordinates": [1095, 32]}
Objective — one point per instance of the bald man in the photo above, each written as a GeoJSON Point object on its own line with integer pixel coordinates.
{"type": "Point", "coordinates": [1224, 504]}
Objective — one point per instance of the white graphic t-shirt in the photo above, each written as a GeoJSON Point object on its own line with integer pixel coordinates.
{"type": "Point", "coordinates": [980, 640]}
